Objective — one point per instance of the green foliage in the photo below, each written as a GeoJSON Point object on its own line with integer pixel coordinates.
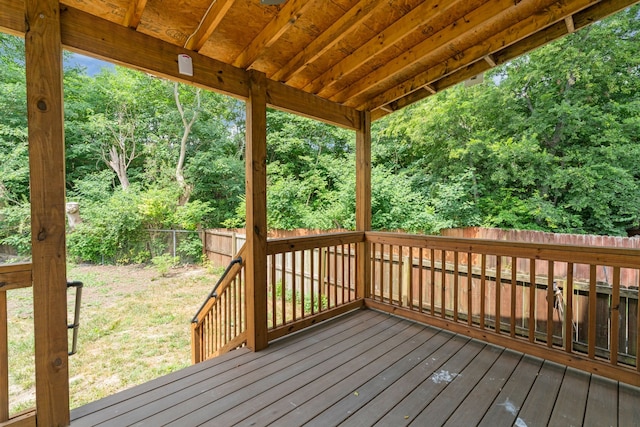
{"type": "Point", "coordinates": [164, 263]}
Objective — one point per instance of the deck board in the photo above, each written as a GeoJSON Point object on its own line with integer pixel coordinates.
{"type": "Point", "coordinates": [538, 407]}
{"type": "Point", "coordinates": [603, 396]}
{"type": "Point", "coordinates": [572, 399]}
{"type": "Point", "coordinates": [367, 368]}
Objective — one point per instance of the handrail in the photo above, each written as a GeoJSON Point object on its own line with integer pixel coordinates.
{"type": "Point", "coordinates": [220, 323]}
{"type": "Point", "coordinates": [76, 315]}
{"type": "Point", "coordinates": [213, 293]}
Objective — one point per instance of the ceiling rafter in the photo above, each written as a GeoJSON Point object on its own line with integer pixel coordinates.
{"type": "Point", "coordinates": [450, 42]}
{"type": "Point", "coordinates": [571, 27]}
{"type": "Point", "coordinates": [540, 38]}
{"type": "Point", "coordinates": [134, 13]}
{"type": "Point", "coordinates": [436, 70]}
{"type": "Point", "coordinates": [434, 10]}
{"type": "Point", "coordinates": [286, 17]}
{"type": "Point", "coordinates": [209, 23]}
{"type": "Point", "coordinates": [329, 38]}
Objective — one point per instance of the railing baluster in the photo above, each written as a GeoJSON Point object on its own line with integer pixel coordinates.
{"type": "Point", "coordinates": [568, 312]}
{"type": "Point", "coordinates": [498, 303]}
{"type": "Point", "coordinates": [532, 300]}
{"type": "Point", "coordinates": [443, 283]}
{"type": "Point", "coordinates": [514, 282]}
{"type": "Point", "coordinates": [483, 289]}
{"type": "Point", "coordinates": [390, 274]}
{"type": "Point", "coordinates": [420, 280]}
{"type": "Point", "coordinates": [410, 278]}
{"type": "Point", "coordinates": [550, 304]}
{"type": "Point", "coordinates": [311, 284]}
{"type": "Point", "coordinates": [272, 258]}
{"type": "Point", "coordinates": [614, 310]}
{"type": "Point", "coordinates": [335, 276]}
{"type": "Point", "coordinates": [456, 278]}
{"type": "Point", "coordinates": [400, 271]}
{"type": "Point", "coordinates": [469, 289]}
{"type": "Point", "coordinates": [351, 248]}
{"type": "Point", "coordinates": [303, 268]}
{"type": "Point", "coordinates": [294, 302]}
{"type": "Point", "coordinates": [343, 272]}
{"type": "Point", "coordinates": [283, 287]}
{"type": "Point", "coordinates": [433, 282]}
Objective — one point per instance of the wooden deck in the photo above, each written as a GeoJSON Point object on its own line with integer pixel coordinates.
{"type": "Point", "coordinates": [368, 368]}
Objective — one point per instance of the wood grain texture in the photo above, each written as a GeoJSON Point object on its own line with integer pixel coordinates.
{"type": "Point", "coordinates": [256, 196]}
{"type": "Point", "coordinates": [48, 214]}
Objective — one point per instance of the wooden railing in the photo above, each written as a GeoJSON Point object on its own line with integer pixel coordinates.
{"type": "Point", "coordinates": [310, 279]}
{"type": "Point", "coordinates": [221, 322]}
{"type": "Point", "coordinates": [12, 276]}
{"type": "Point", "coordinates": [481, 289]}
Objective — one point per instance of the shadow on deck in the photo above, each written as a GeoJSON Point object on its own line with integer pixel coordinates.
{"type": "Point", "coordinates": [367, 368]}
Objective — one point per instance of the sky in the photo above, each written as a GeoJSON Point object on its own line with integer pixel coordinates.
{"type": "Point", "coordinates": [92, 65]}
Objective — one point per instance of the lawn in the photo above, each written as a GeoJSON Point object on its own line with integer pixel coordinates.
{"type": "Point", "coordinates": [134, 326]}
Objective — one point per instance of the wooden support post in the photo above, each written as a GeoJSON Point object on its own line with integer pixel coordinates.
{"type": "Point", "coordinates": [47, 168]}
{"type": "Point", "coordinates": [256, 195]}
{"type": "Point", "coordinates": [363, 204]}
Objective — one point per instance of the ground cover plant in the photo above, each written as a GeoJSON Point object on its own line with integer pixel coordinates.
{"type": "Point", "coordinates": [134, 326]}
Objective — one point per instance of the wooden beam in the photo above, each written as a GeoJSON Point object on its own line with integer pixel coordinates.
{"type": "Point", "coordinates": [209, 23]}
{"type": "Point", "coordinates": [438, 66]}
{"type": "Point", "coordinates": [43, 61]}
{"type": "Point", "coordinates": [97, 37]}
{"type": "Point", "coordinates": [482, 23]}
{"type": "Point", "coordinates": [363, 204]}
{"type": "Point", "coordinates": [87, 34]}
{"type": "Point", "coordinates": [134, 13]}
{"type": "Point", "coordinates": [432, 15]}
{"type": "Point", "coordinates": [344, 26]}
{"type": "Point", "coordinates": [256, 223]}
{"type": "Point", "coordinates": [285, 19]}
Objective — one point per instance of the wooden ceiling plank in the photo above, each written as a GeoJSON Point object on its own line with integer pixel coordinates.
{"type": "Point", "coordinates": [12, 17]}
{"type": "Point", "coordinates": [428, 14]}
{"type": "Point", "coordinates": [437, 70]}
{"type": "Point", "coordinates": [209, 23]}
{"type": "Point", "coordinates": [341, 28]}
{"type": "Point", "coordinates": [462, 36]}
{"type": "Point", "coordinates": [581, 19]}
{"type": "Point", "coordinates": [134, 13]}
{"type": "Point", "coordinates": [286, 18]}
{"type": "Point", "coordinates": [84, 33]}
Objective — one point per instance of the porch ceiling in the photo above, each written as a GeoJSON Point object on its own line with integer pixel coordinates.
{"type": "Point", "coordinates": [376, 55]}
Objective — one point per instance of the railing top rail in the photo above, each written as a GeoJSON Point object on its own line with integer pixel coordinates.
{"type": "Point", "coordinates": [610, 256]}
{"type": "Point", "coordinates": [300, 243]}
{"type": "Point", "coordinates": [14, 276]}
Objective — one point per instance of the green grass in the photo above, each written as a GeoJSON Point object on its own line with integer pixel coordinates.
{"type": "Point", "coordinates": [134, 326]}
